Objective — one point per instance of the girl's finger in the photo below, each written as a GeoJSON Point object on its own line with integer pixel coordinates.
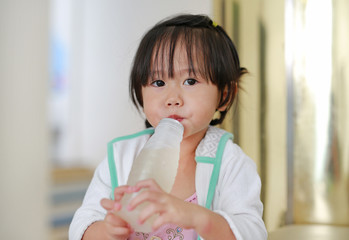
{"type": "Point", "coordinates": [115, 220]}
{"type": "Point", "coordinates": [110, 205]}
{"type": "Point", "coordinates": [120, 232]}
{"type": "Point", "coordinates": [151, 184]}
{"type": "Point", "coordinates": [159, 221]}
{"type": "Point", "coordinates": [167, 208]}
{"type": "Point", "coordinates": [117, 226]}
{"type": "Point", "coordinates": [143, 196]}
{"type": "Point", "coordinates": [119, 192]}
{"type": "Point", "coordinates": [150, 210]}
{"type": "Point", "coordinates": [157, 204]}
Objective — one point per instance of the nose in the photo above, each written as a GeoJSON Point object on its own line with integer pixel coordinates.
{"type": "Point", "coordinates": [174, 100]}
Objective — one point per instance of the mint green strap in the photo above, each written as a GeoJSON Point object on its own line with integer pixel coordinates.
{"type": "Point", "coordinates": [217, 161]}
{"type": "Point", "coordinates": [112, 168]}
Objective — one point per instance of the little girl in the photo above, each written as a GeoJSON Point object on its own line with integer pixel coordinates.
{"type": "Point", "coordinates": [186, 68]}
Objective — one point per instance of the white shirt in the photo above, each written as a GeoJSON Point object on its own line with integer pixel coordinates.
{"type": "Point", "coordinates": [226, 182]}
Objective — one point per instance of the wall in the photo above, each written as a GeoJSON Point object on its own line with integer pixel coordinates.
{"type": "Point", "coordinates": [263, 101]}
{"type": "Point", "coordinates": [273, 16]}
{"type": "Point", "coordinates": [24, 162]}
{"type": "Point", "coordinates": [258, 31]}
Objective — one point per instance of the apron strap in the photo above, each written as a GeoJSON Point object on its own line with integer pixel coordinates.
{"type": "Point", "coordinates": [216, 169]}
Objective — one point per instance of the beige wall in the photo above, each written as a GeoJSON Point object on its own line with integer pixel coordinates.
{"type": "Point", "coordinates": [273, 165]}
{"type": "Point", "coordinates": [276, 180]}
{"type": "Point", "coordinates": [270, 14]}
{"type": "Point", "coordinates": [24, 162]}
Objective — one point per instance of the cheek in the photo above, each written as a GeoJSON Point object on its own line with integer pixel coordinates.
{"type": "Point", "coordinates": [149, 102]}
{"type": "Point", "coordinates": [147, 109]}
{"type": "Point", "coordinates": [150, 108]}
{"type": "Point", "coordinates": [146, 99]}
{"type": "Point", "coordinates": [209, 99]}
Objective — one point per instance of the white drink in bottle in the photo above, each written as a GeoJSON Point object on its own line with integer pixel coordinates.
{"type": "Point", "coordinates": [157, 160]}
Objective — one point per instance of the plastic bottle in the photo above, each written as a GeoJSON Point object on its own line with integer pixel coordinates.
{"type": "Point", "coordinates": [157, 160]}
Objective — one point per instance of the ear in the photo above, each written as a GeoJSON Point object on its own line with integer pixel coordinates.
{"type": "Point", "coordinates": [222, 108]}
{"type": "Point", "coordinates": [224, 95]}
{"type": "Point", "coordinates": [231, 97]}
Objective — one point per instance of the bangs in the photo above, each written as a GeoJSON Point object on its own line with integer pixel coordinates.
{"type": "Point", "coordinates": [177, 37]}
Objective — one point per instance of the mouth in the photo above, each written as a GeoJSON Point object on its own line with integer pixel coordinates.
{"type": "Point", "coordinates": [176, 117]}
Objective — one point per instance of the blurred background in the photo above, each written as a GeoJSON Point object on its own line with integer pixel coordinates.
{"type": "Point", "coordinates": [64, 69]}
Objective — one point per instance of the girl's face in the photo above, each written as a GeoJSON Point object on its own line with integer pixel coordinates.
{"type": "Point", "coordinates": [188, 98]}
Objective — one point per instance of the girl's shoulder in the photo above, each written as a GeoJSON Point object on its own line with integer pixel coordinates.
{"type": "Point", "coordinates": [219, 144]}
{"type": "Point", "coordinates": [213, 142]}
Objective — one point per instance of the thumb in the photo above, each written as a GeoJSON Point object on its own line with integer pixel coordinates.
{"type": "Point", "coordinates": [110, 205]}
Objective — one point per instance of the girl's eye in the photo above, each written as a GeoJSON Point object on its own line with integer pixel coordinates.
{"type": "Point", "coordinates": [158, 83]}
{"type": "Point", "coordinates": [190, 81]}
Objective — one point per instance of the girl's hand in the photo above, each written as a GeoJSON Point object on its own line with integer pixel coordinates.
{"type": "Point", "coordinates": [114, 226]}
{"type": "Point", "coordinates": [168, 208]}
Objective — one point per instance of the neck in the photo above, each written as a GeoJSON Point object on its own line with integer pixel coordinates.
{"type": "Point", "coordinates": [189, 144]}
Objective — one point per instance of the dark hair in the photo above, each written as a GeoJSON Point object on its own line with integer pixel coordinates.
{"type": "Point", "coordinates": [204, 41]}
